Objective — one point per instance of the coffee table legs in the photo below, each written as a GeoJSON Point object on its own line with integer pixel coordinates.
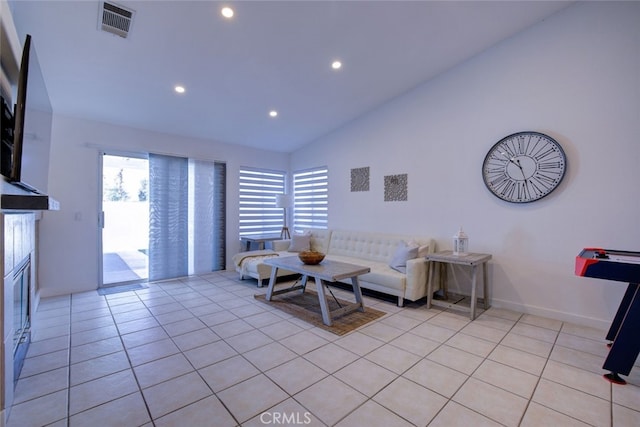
{"type": "Point", "coordinates": [272, 283]}
{"type": "Point", "coordinates": [357, 292]}
{"type": "Point", "coordinates": [324, 305]}
{"type": "Point", "coordinates": [322, 296]}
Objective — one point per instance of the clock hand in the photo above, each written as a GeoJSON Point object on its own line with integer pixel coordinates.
{"type": "Point", "coordinates": [510, 159]}
{"type": "Point", "coordinates": [517, 164]}
{"type": "Point", "coordinates": [505, 154]}
{"type": "Point", "coordinates": [521, 170]}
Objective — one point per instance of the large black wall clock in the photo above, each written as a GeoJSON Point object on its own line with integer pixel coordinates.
{"type": "Point", "coordinates": [524, 167]}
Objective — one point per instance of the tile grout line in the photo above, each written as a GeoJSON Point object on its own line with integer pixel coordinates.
{"type": "Point", "coordinates": [68, 418]}
{"type": "Point", "coordinates": [197, 371]}
{"type": "Point", "coordinates": [539, 378]}
{"type": "Point", "coordinates": [471, 374]}
{"type": "Point", "coordinates": [153, 420]}
{"type": "Point", "coordinates": [133, 372]}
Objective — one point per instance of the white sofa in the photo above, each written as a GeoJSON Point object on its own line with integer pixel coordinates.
{"type": "Point", "coordinates": [374, 250]}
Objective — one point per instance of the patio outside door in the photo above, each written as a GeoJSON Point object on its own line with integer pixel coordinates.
{"type": "Point", "coordinates": [125, 219]}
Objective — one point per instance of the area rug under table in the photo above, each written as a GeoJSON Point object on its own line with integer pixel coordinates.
{"type": "Point", "coordinates": [306, 306]}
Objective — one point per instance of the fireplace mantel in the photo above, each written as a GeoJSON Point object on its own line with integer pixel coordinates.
{"type": "Point", "coordinates": [28, 202]}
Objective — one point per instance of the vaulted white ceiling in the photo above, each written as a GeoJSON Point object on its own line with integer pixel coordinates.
{"type": "Point", "coordinates": [270, 55]}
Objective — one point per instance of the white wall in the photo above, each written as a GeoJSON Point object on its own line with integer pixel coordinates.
{"type": "Point", "coordinates": [69, 250]}
{"type": "Point", "coordinates": [575, 77]}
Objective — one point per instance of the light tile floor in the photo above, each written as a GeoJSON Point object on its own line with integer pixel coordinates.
{"type": "Point", "coordinates": [201, 351]}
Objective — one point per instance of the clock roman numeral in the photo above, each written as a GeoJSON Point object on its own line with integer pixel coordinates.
{"type": "Point", "coordinates": [539, 191]}
{"type": "Point", "coordinates": [508, 150]}
{"type": "Point", "coordinates": [542, 155]}
{"type": "Point", "coordinates": [521, 149]}
{"type": "Point", "coordinates": [524, 192]}
{"type": "Point", "coordinates": [500, 159]}
{"type": "Point", "coordinates": [543, 183]}
{"type": "Point", "coordinates": [509, 189]}
{"type": "Point", "coordinates": [493, 171]}
{"type": "Point", "coordinates": [499, 181]}
{"type": "Point", "coordinates": [550, 165]}
{"type": "Point", "coordinates": [532, 147]}
{"type": "Point", "coordinates": [544, 179]}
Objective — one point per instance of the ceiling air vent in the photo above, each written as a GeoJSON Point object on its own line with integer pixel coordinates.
{"type": "Point", "coordinates": [115, 19]}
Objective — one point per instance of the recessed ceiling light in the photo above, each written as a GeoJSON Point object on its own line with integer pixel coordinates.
{"type": "Point", "coordinates": [227, 12]}
{"type": "Point", "coordinates": [336, 65]}
{"type": "Point", "coordinates": [273, 113]}
{"type": "Point", "coordinates": [179, 89]}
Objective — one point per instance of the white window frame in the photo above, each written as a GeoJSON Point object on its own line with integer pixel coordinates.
{"type": "Point", "coordinates": [311, 199]}
{"type": "Point", "coordinates": [257, 205]}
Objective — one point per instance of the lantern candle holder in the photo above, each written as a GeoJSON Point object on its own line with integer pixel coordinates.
{"type": "Point", "coordinates": [460, 243]}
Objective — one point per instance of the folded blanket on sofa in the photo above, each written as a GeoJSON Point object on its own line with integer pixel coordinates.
{"type": "Point", "coordinates": [239, 257]}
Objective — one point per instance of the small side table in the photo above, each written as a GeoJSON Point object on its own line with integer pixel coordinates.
{"type": "Point", "coordinates": [471, 259]}
{"type": "Point", "coordinates": [260, 240]}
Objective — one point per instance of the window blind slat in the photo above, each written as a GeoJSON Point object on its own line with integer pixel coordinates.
{"type": "Point", "coordinates": [310, 189]}
{"type": "Point", "coordinates": [257, 191]}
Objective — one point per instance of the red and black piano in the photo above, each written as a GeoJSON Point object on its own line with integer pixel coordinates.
{"type": "Point", "coordinates": [624, 334]}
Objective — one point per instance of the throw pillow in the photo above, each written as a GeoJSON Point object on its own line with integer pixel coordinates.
{"type": "Point", "coordinates": [300, 242]}
{"type": "Point", "coordinates": [403, 253]}
{"type": "Point", "coordinates": [423, 250]}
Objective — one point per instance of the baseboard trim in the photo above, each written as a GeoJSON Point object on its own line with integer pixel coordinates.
{"type": "Point", "coordinates": [553, 314]}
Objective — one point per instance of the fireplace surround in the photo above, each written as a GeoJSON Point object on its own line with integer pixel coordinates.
{"type": "Point", "coordinates": [21, 315]}
{"type": "Point", "coordinates": [18, 298]}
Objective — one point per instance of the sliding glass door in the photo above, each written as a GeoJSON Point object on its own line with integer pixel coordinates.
{"type": "Point", "coordinates": [124, 219]}
{"type": "Point", "coordinates": [162, 217]}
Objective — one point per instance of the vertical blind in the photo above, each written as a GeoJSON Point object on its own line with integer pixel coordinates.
{"type": "Point", "coordinates": [258, 212]}
{"type": "Point", "coordinates": [168, 221]}
{"type": "Point", "coordinates": [311, 197]}
{"type": "Point", "coordinates": [187, 206]}
{"type": "Point", "coordinates": [207, 216]}
{"type": "Point", "coordinates": [219, 216]}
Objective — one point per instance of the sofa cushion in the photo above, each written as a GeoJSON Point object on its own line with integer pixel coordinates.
{"type": "Point", "coordinates": [300, 243]}
{"type": "Point", "coordinates": [370, 246]}
{"type": "Point", "coordinates": [404, 252]}
{"type": "Point", "coordinates": [281, 245]}
{"type": "Point", "coordinates": [358, 244]}
{"type": "Point", "coordinates": [381, 274]}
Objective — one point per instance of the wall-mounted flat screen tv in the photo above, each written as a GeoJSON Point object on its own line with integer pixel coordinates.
{"type": "Point", "coordinates": [32, 125]}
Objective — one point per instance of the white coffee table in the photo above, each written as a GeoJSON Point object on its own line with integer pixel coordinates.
{"type": "Point", "coordinates": [326, 271]}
